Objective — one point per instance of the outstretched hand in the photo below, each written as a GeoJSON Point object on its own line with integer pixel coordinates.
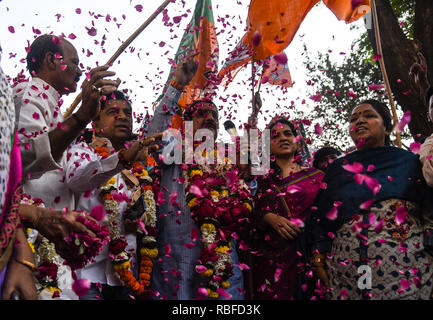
{"type": "Point", "coordinates": [56, 225]}
{"type": "Point", "coordinates": [186, 71]}
{"type": "Point", "coordinates": [140, 150]}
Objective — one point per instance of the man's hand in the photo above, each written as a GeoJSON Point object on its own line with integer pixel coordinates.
{"type": "Point", "coordinates": [93, 88]}
{"type": "Point", "coordinates": [140, 150]}
{"type": "Point", "coordinates": [185, 71]}
{"type": "Point", "coordinates": [55, 225]}
{"type": "Point", "coordinates": [282, 226]}
{"type": "Point", "coordinates": [418, 71]}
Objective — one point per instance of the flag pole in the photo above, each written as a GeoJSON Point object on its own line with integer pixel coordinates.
{"type": "Point", "coordinates": [382, 67]}
{"type": "Point", "coordinates": [121, 49]}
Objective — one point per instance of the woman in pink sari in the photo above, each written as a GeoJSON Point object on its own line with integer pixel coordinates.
{"type": "Point", "coordinates": [283, 201]}
{"type": "Point", "coordinates": [16, 258]}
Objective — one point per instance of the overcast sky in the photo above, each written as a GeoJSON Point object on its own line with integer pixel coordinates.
{"type": "Point", "coordinates": [144, 67]}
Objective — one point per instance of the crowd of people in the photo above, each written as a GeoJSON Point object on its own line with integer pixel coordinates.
{"type": "Point", "coordinates": [350, 225]}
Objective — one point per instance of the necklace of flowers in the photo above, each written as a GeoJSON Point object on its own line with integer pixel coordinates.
{"type": "Point", "coordinates": [219, 202]}
{"type": "Point", "coordinates": [147, 222]}
{"type": "Point", "coordinates": [45, 256]}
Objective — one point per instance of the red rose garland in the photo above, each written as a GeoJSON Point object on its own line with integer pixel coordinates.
{"type": "Point", "coordinates": [219, 201]}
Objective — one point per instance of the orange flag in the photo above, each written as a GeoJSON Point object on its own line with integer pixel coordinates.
{"type": "Point", "coordinates": [200, 36]}
{"type": "Point", "coordinates": [348, 10]}
{"type": "Point", "coordinates": [272, 24]}
{"type": "Point", "coordinates": [276, 73]}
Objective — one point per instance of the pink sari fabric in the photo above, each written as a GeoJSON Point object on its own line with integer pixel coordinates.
{"type": "Point", "coordinates": [277, 259]}
{"type": "Point", "coordinates": [9, 215]}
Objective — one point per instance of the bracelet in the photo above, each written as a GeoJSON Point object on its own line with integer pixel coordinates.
{"type": "Point", "coordinates": [28, 264]}
{"type": "Point", "coordinates": [123, 162]}
{"type": "Point", "coordinates": [81, 122]}
{"type": "Point", "coordinates": [176, 85]}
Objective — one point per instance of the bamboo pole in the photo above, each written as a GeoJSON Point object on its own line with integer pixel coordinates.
{"type": "Point", "coordinates": [382, 67]}
{"type": "Point", "coordinates": [121, 49]}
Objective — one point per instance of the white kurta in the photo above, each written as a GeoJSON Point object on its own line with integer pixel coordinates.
{"type": "Point", "coordinates": [39, 113]}
{"type": "Point", "coordinates": [37, 105]}
{"type": "Point", "coordinates": [86, 172]}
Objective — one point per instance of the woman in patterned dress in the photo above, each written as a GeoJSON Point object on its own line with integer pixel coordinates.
{"type": "Point", "coordinates": [372, 232]}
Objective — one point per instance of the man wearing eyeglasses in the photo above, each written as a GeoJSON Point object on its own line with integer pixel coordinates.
{"type": "Point", "coordinates": [174, 275]}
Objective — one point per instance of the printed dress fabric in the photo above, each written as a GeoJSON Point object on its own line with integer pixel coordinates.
{"type": "Point", "coordinates": [391, 240]}
{"type": "Point", "coordinates": [275, 267]}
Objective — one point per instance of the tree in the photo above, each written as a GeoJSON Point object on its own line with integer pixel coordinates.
{"type": "Point", "coordinates": [400, 47]}
{"type": "Point", "coordinates": [405, 30]}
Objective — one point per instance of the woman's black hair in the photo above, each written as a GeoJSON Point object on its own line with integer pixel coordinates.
{"type": "Point", "coordinates": [384, 113]}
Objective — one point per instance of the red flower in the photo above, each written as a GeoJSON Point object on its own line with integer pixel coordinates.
{"type": "Point", "coordinates": [116, 246]}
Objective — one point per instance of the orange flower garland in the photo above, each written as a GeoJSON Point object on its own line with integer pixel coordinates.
{"type": "Point", "coordinates": [148, 251]}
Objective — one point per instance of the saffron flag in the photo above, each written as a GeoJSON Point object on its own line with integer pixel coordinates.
{"type": "Point", "coordinates": [276, 73]}
{"type": "Point", "coordinates": [241, 55]}
{"type": "Point", "coordinates": [348, 10]}
{"type": "Point", "coordinates": [200, 36]}
{"type": "Point", "coordinates": [272, 25]}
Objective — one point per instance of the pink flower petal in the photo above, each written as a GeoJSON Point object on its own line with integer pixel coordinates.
{"type": "Point", "coordinates": [243, 266]}
{"type": "Point", "coordinates": [161, 198]}
{"type": "Point", "coordinates": [277, 274]}
{"type": "Point", "coordinates": [200, 269]}
{"type": "Point", "coordinates": [203, 291]}
{"type": "Point", "coordinates": [372, 184]}
{"type": "Point", "coordinates": [379, 226]}
{"type": "Point", "coordinates": [297, 222]}
{"type": "Point", "coordinates": [81, 287]}
{"type": "Point", "coordinates": [167, 249]}
{"type": "Point", "coordinates": [281, 58]}
{"type": "Point", "coordinates": [91, 31]}
{"type": "Point", "coordinates": [404, 121]}
{"type": "Point", "coordinates": [332, 214]}
{"type": "Point", "coordinates": [98, 213]}
{"type": "Point", "coordinates": [355, 167]}
{"type": "Point", "coordinates": [415, 146]}
{"type": "Point", "coordinates": [405, 284]}
{"type": "Point", "coordinates": [367, 204]}
{"type": "Point", "coordinates": [318, 129]}
{"type": "Point", "coordinates": [223, 293]}
{"type": "Point", "coordinates": [400, 215]}
{"type": "Point", "coordinates": [257, 37]}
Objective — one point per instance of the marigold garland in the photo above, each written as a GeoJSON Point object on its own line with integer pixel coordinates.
{"type": "Point", "coordinates": [219, 201]}
{"type": "Point", "coordinates": [148, 251]}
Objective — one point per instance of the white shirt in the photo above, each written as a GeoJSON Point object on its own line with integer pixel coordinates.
{"type": "Point", "coordinates": [39, 113]}
{"type": "Point", "coordinates": [86, 171]}
{"type": "Point", "coordinates": [37, 104]}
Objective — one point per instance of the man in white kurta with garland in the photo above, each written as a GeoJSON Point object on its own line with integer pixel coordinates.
{"type": "Point", "coordinates": [109, 172]}
{"type": "Point", "coordinates": [54, 66]}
